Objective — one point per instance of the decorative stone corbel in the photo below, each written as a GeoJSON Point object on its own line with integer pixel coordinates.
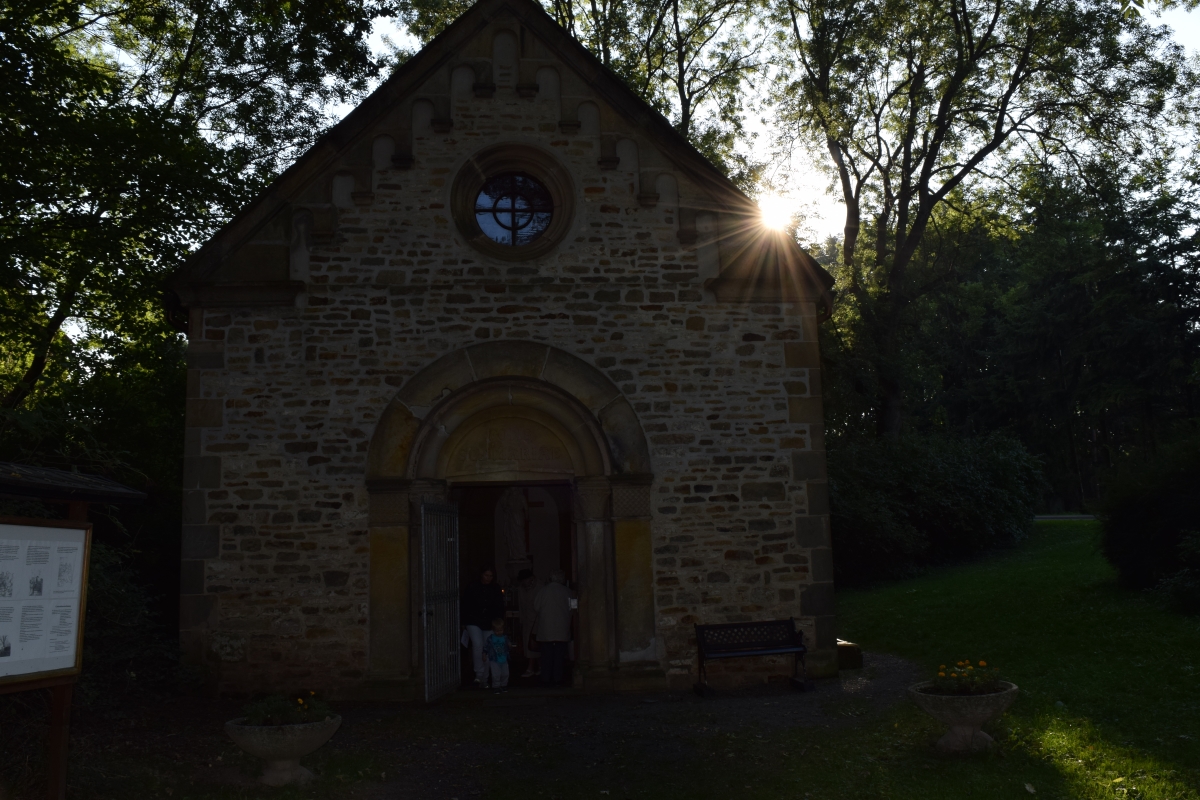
{"type": "Point", "coordinates": [648, 197]}
{"type": "Point", "coordinates": [687, 226]}
{"type": "Point", "coordinates": [323, 224]}
{"type": "Point", "coordinates": [402, 155]}
{"type": "Point", "coordinates": [300, 245]}
{"type": "Point", "coordinates": [442, 120]}
{"type": "Point", "coordinates": [608, 153]}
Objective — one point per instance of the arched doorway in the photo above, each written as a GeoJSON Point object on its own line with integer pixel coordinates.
{"type": "Point", "coordinates": [516, 413]}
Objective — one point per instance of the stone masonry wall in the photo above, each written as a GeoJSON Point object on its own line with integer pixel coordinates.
{"type": "Point", "coordinates": [283, 402]}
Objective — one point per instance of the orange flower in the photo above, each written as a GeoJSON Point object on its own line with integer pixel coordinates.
{"type": "Point", "coordinates": [943, 666]}
{"type": "Point", "coordinates": [941, 674]}
{"type": "Point", "coordinates": [983, 663]}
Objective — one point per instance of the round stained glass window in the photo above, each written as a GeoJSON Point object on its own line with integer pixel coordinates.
{"type": "Point", "coordinates": [513, 209]}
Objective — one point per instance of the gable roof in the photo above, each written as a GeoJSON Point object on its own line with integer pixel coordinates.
{"type": "Point", "coordinates": [418, 69]}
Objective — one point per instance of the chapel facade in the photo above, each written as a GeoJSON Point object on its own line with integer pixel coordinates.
{"type": "Point", "coordinates": [502, 295]}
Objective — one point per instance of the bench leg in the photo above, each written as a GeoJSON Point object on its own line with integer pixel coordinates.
{"type": "Point", "coordinates": [701, 687]}
{"type": "Point", "coordinates": [799, 684]}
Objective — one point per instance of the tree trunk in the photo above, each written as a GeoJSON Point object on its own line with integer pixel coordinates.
{"type": "Point", "coordinates": [850, 198]}
{"type": "Point", "coordinates": [685, 106]}
{"type": "Point", "coordinates": [25, 386]}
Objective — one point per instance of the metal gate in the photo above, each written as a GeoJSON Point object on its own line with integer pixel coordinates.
{"type": "Point", "coordinates": [439, 604]}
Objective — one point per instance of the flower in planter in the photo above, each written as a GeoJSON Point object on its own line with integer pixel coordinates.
{"type": "Point", "coordinates": [966, 677]}
{"type": "Point", "coordinates": [278, 709]}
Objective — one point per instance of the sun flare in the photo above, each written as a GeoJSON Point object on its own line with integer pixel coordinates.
{"type": "Point", "coordinates": [776, 211]}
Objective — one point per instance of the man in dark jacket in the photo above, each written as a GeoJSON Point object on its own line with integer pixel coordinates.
{"type": "Point", "coordinates": [482, 602]}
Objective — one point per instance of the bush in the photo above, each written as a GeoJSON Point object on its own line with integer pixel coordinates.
{"type": "Point", "coordinates": [900, 504]}
{"type": "Point", "coordinates": [1151, 516]}
{"type": "Point", "coordinates": [126, 651]}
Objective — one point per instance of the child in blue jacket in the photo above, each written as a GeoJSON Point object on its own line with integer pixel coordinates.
{"type": "Point", "coordinates": [495, 649]}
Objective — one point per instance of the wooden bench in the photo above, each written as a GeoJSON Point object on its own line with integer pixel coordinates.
{"type": "Point", "coordinates": [741, 639]}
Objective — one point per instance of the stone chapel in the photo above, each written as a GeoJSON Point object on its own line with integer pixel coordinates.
{"type": "Point", "coordinates": [503, 295]}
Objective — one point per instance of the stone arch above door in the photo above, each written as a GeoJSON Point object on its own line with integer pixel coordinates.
{"type": "Point", "coordinates": [565, 394]}
{"type": "Point", "coordinates": [515, 411]}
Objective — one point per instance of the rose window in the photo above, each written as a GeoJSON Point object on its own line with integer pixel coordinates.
{"type": "Point", "coordinates": [513, 209]}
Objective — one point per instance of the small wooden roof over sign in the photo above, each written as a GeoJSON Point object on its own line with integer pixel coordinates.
{"type": "Point", "coordinates": [59, 484]}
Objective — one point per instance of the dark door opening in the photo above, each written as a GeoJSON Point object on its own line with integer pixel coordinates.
{"type": "Point", "coordinates": [509, 528]}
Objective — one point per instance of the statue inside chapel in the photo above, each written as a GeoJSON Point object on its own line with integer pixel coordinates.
{"type": "Point", "coordinates": [512, 516]}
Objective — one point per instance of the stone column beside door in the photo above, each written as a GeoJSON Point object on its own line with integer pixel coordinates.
{"type": "Point", "coordinates": [595, 657]}
{"type": "Point", "coordinates": [639, 659]}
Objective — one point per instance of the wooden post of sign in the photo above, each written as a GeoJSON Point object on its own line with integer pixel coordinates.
{"type": "Point", "coordinates": [60, 716]}
{"type": "Point", "coordinates": [60, 722]}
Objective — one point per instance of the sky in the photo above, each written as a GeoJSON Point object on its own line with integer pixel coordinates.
{"type": "Point", "coordinates": [799, 188]}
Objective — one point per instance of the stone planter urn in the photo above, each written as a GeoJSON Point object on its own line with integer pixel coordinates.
{"type": "Point", "coordinates": [282, 746]}
{"type": "Point", "coordinates": [964, 713]}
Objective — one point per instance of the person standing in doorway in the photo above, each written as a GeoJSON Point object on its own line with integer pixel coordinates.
{"type": "Point", "coordinates": [527, 589]}
{"type": "Point", "coordinates": [552, 627]}
{"type": "Point", "coordinates": [482, 602]}
{"type": "Point", "coordinates": [496, 647]}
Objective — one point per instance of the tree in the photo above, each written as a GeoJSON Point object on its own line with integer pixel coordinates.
{"type": "Point", "coordinates": [916, 101]}
{"type": "Point", "coordinates": [1064, 311]}
{"type": "Point", "coordinates": [1095, 349]}
{"type": "Point", "coordinates": [129, 131]}
{"type": "Point", "coordinates": [706, 58]}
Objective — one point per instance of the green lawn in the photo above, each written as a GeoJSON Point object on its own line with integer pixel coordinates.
{"type": "Point", "coordinates": [1109, 708]}
{"type": "Point", "coordinates": [1110, 701]}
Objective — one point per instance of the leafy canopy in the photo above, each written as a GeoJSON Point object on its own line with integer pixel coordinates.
{"type": "Point", "coordinates": [913, 102]}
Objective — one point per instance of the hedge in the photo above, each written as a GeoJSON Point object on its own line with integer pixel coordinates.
{"type": "Point", "coordinates": [1151, 519]}
{"type": "Point", "coordinates": [901, 504]}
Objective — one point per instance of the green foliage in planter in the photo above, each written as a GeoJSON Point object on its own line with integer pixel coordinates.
{"type": "Point", "coordinates": [280, 709]}
{"type": "Point", "coordinates": [966, 677]}
{"type": "Point", "coordinates": [900, 504]}
{"type": "Point", "coordinates": [1151, 519]}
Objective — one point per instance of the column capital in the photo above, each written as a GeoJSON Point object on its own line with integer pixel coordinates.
{"type": "Point", "coordinates": [631, 496]}
{"type": "Point", "coordinates": [428, 490]}
{"type": "Point", "coordinates": [593, 494]}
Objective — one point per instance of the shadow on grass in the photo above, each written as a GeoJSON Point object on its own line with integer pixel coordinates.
{"type": "Point", "coordinates": [893, 758]}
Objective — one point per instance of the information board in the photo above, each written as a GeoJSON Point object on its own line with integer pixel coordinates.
{"type": "Point", "coordinates": [43, 580]}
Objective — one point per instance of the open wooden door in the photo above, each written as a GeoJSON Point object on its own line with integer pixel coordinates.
{"type": "Point", "coordinates": [439, 602]}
